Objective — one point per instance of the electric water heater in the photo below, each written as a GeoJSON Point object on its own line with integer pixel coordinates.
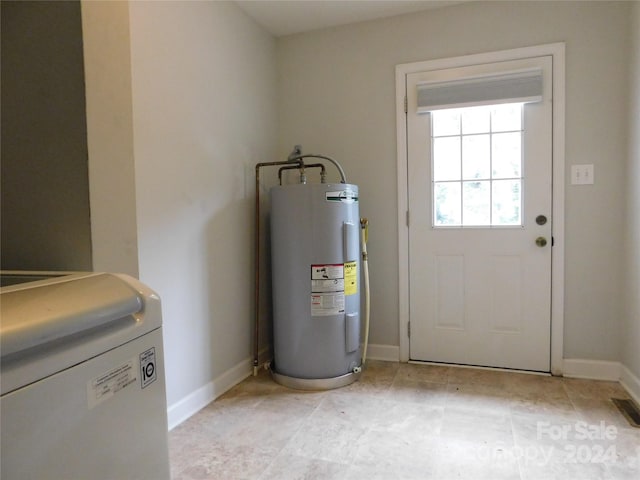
{"type": "Point", "coordinates": [315, 253]}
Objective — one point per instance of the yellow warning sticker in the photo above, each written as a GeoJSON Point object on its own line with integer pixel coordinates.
{"type": "Point", "coordinates": [350, 278]}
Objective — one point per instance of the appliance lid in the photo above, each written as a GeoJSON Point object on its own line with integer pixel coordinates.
{"type": "Point", "coordinates": [34, 316]}
{"type": "Point", "coordinates": [52, 324]}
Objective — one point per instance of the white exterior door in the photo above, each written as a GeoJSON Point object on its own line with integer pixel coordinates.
{"type": "Point", "coordinates": [479, 193]}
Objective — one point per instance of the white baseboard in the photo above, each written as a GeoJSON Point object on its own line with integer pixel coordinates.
{"type": "Point", "coordinates": [197, 400]}
{"type": "Point", "coordinates": [630, 382]}
{"type": "Point", "coordinates": [572, 367]}
{"type": "Point", "coordinates": [388, 353]}
{"type": "Point", "coordinates": [591, 369]}
{"type": "Point", "coordinates": [601, 370]}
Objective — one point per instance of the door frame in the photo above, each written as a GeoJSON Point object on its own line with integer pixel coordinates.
{"type": "Point", "coordinates": [557, 52]}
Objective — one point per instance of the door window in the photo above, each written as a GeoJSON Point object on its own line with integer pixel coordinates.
{"type": "Point", "coordinates": [477, 172]}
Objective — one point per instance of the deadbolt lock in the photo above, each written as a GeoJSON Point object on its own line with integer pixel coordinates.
{"type": "Point", "coordinates": [541, 219]}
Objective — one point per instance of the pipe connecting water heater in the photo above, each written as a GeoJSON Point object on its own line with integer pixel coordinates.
{"type": "Point", "coordinates": [315, 253]}
{"type": "Point", "coordinates": [315, 263]}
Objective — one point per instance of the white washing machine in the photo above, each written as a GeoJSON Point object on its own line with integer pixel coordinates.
{"type": "Point", "coordinates": [82, 379]}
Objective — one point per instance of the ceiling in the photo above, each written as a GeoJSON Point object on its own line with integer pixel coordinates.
{"type": "Point", "coordinates": [285, 17]}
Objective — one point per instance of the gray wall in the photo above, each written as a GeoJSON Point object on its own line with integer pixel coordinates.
{"type": "Point", "coordinates": [337, 95]}
{"type": "Point", "coordinates": [631, 331]}
{"type": "Point", "coordinates": [45, 187]}
{"type": "Point", "coordinates": [187, 112]}
{"type": "Point", "coordinates": [204, 113]}
{"type": "Point", "coordinates": [107, 62]}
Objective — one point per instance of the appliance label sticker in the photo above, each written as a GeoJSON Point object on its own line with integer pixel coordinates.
{"type": "Point", "coordinates": [148, 367]}
{"type": "Point", "coordinates": [327, 289]}
{"type": "Point", "coordinates": [335, 285]}
{"type": "Point", "coordinates": [351, 278]}
{"type": "Point", "coordinates": [327, 272]}
{"type": "Point", "coordinates": [325, 304]}
{"type": "Point", "coordinates": [344, 196]}
{"type": "Point", "coordinates": [111, 382]}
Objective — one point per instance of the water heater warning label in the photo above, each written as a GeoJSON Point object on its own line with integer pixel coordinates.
{"type": "Point", "coordinates": [327, 289]}
{"type": "Point", "coordinates": [327, 272]}
{"type": "Point", "coordinates": [335, 285]}
{"type": "Point", "coordinates": [351, 278]}
{"type": "Point", "coordinates": [325, 304]}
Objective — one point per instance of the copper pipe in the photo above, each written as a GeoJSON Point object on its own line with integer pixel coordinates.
{"type": "Point", "coordinates": [293, 157]}
{"type": "Point", "coordinates": [300, 164]}
{"type": "Point", "coordinates": [323, 170]}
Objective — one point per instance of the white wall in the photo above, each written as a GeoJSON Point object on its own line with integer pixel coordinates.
{"type": "Point", "coordinates": [203, 83]}
{"type": "Point", "coordinates": [107, 61]}
{"type": "Point", "coordinates": [191, 111]}
{"type": "Point", "coordinates": [337, 95]}
{"type": "Point", "coordinates": [631, 330]}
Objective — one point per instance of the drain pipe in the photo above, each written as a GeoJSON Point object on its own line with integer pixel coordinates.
{"type": "Point", "coordinates": [364, 229]}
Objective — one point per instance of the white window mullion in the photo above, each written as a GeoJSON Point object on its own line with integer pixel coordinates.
{"type": "Point", "coordinates": [460, 182]}
{"type": "Point", "coordinates": [491, 166]}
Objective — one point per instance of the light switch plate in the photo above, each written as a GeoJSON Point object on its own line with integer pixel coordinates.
{"type": "Point", "coordinates": [582, 174]}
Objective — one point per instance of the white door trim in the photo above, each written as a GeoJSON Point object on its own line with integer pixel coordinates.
{"type": "Point", "coordinates": [557, 51]}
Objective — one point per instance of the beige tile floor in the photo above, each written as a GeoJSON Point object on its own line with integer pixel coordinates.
{"type": "Point", "coordinates": [403, 421]}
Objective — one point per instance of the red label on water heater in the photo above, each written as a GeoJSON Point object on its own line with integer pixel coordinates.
{"type": "Point", "coordinates": [327, 272]}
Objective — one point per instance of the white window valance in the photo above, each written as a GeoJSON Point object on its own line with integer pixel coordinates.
{"type": "Point", "coordinates": [514, 87]}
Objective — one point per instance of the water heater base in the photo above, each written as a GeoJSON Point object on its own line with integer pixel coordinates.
{"type": "Point", "coordinates": [315, 383]}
